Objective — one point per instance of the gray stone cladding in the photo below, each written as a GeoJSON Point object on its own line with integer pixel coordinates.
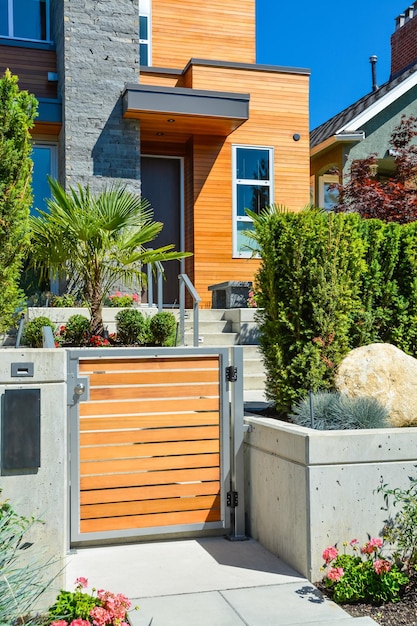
{"type": "Point", "coordinates": [98, 52]}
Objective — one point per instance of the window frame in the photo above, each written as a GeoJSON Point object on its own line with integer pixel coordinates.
{"type": "Point", "coordinates": [239, 219]}
{"type": "Point", "coordinates": [326, 179]}
{"type": "Point", "coordinates": [145, 11]}
{"type": "Point", "coordinates": [10, 29]}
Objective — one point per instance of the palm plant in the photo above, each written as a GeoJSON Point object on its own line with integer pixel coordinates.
{"type": "Point", "coordinates": [98, 240]}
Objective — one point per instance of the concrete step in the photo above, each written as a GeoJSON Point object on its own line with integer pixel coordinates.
{"type": "Point", "coordinates": [209, 327]}
{"type": "Point", "coordinates": [212, 339]}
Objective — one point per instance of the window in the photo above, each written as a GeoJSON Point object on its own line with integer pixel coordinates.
{"type": "Point", "coordinates": [328, 196]}
{"type": "Point", "coordinates": [252, 189]}
{"type": "Point", "coordinates": [25, 19]}
{"type": "Point", "coordinates": [44, 164]}
{"type": "Point", "coordinates": [145, 32]}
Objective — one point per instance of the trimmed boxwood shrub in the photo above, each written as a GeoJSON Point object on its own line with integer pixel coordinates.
{"type": "Point", "coordinates": [162, 328]}
{"type": "Point", "coordinates": [132, 327]}
{"type": "Point", "coordinates": [32, 335]}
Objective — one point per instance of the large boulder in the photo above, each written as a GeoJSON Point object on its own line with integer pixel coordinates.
{"type": "Point", "coordinates": [384, 372]}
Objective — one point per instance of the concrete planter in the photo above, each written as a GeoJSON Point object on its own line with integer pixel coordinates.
{"type": "Point", "coordinates": [308, 489]}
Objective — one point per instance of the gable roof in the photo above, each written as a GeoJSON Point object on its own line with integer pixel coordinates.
{"type": "Point", "coordinates": [354, 116]}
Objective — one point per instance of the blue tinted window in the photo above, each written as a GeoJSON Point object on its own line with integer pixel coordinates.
{"type": "Point", "coordinates": [4, 17]}
{"type": "Point", "coordinates": [252, 164]}
{"type": "Point", "coordinates": [253, 197]}
{"type": "Point", "coordinates": [143, 27]}
{"type": "Point", "coordinates": [42, 167]}
{"type": "Point", "coordinates": [29, 19]}
{"type": "Point", "coordinates": [143, 54]}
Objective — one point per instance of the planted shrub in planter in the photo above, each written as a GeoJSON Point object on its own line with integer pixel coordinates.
{"type": "Point", "coordinates": [336, 411]}
{"type": "Point", "coordinates": [76, 331]}
{"type": "Point", "coordinates": [132, 327]}
{"type": "Point", "coordinates": [162, 329]}
{"type": "Point", "coordinates": [32, 332]}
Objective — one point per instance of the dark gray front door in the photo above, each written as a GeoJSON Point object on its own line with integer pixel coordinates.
{"type": "Point", "coordinates": [161, 185]}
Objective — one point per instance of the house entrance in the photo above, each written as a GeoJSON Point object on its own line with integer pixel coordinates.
{"type": "Point", "coordinates": [162, 186]}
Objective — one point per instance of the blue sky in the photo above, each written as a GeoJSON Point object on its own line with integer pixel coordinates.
{"type": "Point", "coordinates": [334, 40]}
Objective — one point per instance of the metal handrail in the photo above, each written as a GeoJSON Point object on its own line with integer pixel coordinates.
{"type": "Point", "coordinates": [159, 278]}
{"type": "Point", "coordinates": [186, 282]}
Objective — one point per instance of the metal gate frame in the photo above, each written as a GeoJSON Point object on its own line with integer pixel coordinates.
{"type": "Point", "coordinates": [232, 520]}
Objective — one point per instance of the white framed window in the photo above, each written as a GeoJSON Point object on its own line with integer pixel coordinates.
{"type": "Point", "coordinates": [25, 19]}
{"type": "Point", "coordinates": [328, 195]}
{"type": "Point", "coordinates": [145, 48]}
{"type": "Point", "coordinates": [45, 163]}
{"type": "Point", "coordinates": [253, 168]}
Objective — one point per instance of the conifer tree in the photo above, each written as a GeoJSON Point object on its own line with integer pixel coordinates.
{"type": "Point", "coordinates": [18, 110]}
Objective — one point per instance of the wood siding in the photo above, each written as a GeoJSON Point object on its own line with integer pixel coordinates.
{"type": "Point", "coordinates": [278, 109]}
{"type": "Point", "coordinates": [149, 443]}
{"type": "Point", "coordinates": [207, 30]}
{"type": "Point", "coordinates": [32, 67]}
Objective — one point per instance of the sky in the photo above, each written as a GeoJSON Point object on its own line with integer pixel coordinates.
{"type": "Point", "coordinates": [334, 40]}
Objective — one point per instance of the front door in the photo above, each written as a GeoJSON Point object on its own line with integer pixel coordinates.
{"type": "Point", "coordinates": [161, 185]}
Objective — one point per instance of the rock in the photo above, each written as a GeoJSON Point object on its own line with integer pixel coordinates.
{"type": "Point", "coordinates": [386, 373]}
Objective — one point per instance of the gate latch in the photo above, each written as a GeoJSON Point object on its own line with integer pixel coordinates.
{"type": "Point", "coordinates": [232, 499]}
{"type": "Point", "coordinates": [231, 374]}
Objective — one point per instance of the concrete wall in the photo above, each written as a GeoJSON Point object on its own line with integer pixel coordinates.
{"type": "Point", "coordinates": [307, 490]}
{"type": "Point", "coordinates": [42, 493]}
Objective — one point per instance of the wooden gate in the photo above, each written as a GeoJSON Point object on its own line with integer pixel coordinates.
{"type": "Point", "coordinates": [149, 442]}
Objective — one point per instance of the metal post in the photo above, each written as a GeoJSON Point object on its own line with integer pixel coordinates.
{"type": "Point", "coordinates": [182, 310]}
{"type": "Point", "coordinates": [150, 286]}
{"type": "Point", "coordinates": [237, 429]}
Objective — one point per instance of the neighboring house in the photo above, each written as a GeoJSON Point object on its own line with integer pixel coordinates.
{"type": "Point", "coordinates": [365, 127]}
{"type": "Point", "coordinates": [192, 122]}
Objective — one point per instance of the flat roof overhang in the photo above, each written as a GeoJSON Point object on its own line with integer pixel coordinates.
{"type": "Point", "coordinates": [178, 112]}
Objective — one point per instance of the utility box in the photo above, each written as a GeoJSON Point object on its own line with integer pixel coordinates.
{"type": "Point", "coordinates": [21, 429]}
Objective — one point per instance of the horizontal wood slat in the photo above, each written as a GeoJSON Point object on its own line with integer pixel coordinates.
{"type": "Point", "coordinates": [148, 406]}
{"type": "Point", "coordinates": [204, 418]}
{"type": "Point", "coordinates": [149, 521]}
{"type": "Point", "coordinates": [145, 392]}
{"type": "Point", "coordinates": [154, 377]}
{"type": "Point", "coordinates": [142, 507]}
{"type": "Point", "coordinates": [152, 492]}
{"type": "Point", "coordinates": [157, 463]}
{"type": "Point", "coordinates": [164, 448]}
{"type": "Point", "coordinates": [111, 481]}
{"type": "Point", "coordinates": [94, 366]}
{"type": "Point", "coordinates": [149, 436]}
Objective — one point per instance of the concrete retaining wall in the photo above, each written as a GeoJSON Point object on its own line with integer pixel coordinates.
{"type": "Point", "coordinates": [306, 489]}
{"type": "Point", "coordinates": [42, 493]}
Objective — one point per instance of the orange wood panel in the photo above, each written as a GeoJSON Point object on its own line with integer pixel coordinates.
{"type": "Point", "coordinates": [154, 378]}
{"type": "Point", "coordinates": [143, 507]}
{"type": "Point", "coordinates": [152, 463]}
{"type": "Point", "coordinates": [112, 481]}
{"type": "Point", "coordinates": [162, 449]}
{"type": "Point", "coordinates": [200, 29]}
{"type": "Point", "coordinates": [149, 421]}
{"type": "Point", "coordinates": [149, 436]}
{"type": "Point", "coordinates": [148, 406]}
{"type": "Point", "coordinates": [102, 496]}
{"type": "Point", "coordinates": [146, 521]}
{"type": "Point", "coordinates": [93, 366]}
{"type": "Point", "coordinates": [144, 392]}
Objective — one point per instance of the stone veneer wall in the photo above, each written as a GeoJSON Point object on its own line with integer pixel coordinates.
{"type": "Point", "coordinates": [98, 52]}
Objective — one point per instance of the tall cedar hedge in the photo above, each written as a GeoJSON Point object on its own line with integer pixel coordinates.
{"type": "Point", "coordinates": [329, 283]}
{"type": "Point", "coordinates": [17, 113]}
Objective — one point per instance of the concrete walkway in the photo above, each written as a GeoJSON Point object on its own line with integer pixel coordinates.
{"type": "Point", "coordinates": [206, 582]}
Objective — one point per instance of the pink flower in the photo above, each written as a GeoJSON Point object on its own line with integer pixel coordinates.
{"type": "Point", "coordinates": [335, 573]}
{"type": "Point", "coordinates": [371, 546]}
{"type": "Point", "coordinates": [135, 297]}
{"type": "Point", "coordinates": [80, 622]}
{"type": "Point", "coordinates": [60, 622]}
{"type": "Point", "coordinates": [81, 582]}
{"type": "Point", "coordinates": [354, 543]}
{"type": "Point", "coordinates": [329, 554]}
{"type": "Point", "coordinates": [100, 616]}
{"type": "Point", "coordinates": [381, 566]}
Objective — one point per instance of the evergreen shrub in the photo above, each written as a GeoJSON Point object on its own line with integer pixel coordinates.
{"type": "Point", "coordinates": [162, 327]}
{"type": "Point", "coordinates": [132, 327]}
{"type": "Point", "coordinates": [32, 335]}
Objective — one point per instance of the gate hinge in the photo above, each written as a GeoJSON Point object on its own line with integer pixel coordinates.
{"type": "Point", "coordinates": [231, 374]}
{"type": "Point", "coordinates": [232, 499]}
